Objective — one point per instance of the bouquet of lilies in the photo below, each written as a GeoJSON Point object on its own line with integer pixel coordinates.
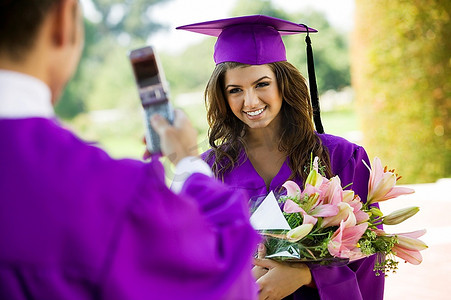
{"type": "Point", "coordinates": [325, 224]}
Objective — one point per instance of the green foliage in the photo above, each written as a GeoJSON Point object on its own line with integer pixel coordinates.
{"type": "Point", "coordinates": [330, 52]}
{"type": "Point", "coordinates": [98, 69]}
{"type": "Point", "coordinates": [119, 91]}
{"type": "Point", "coordinates": [401, 78]}
{"type": "Point", "coordinates": [338, 122]}
{"type": "Point", "coordinates": [104, 80]}
{"type": "Point", "coordinates": [190, 70]}
{"type": "Point", "coordinates": [133, 19]}
{"type": "Point", "coordinates": [257, 7]}
{"type": "Point", "coordinates": [72, 101]}
{"type": "Point", "coordinates": [101, 102]}
{"type": "Point", "coordinates": [113, 111]}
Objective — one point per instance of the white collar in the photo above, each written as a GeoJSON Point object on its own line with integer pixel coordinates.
{"type": "Point", "coordinates": [24, 96]}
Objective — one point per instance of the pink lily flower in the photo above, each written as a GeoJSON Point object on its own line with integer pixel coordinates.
{"type": "Point", "coordinates": [314, 177]}
{"type": "Point", "coordinates": [344, 241]}
{"type": "Point", "coordinates": [324, 210]}
{"type": "Point", "coordinates": [414, 234]}
{"type": "Point", "coordinates": [299, 232]}
{"type": "Point", "coordinates": [400, 215]}
{"type": "Point", "coordinates": [318, 210]}
{"type": "Point", "coordinates": [332, 192]}
{"type": "Point", "coordinates": [309, 191]}
{"type": "Point", "coordinates": [313, 207]}
{"type": "Point", "coordinates": [356, 203]}
{"type": "Point", "coordinates": [412, 256]}
{"type": "Point", "coordinates": [382, 183]}
{"type": "Point", "coordinates": [293, 190]}
{"type": "Point", "coordinates": [309, 219]}
{"type": "Point", "coordinates": [291, 207]}
{"type": "Point", "coordinates": [344, 212]}
{"type": "Point", "coordinates": [409, 246]}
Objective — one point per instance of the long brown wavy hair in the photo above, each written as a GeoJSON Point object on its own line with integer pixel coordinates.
{"type": "Point", "coordinates": [298, 138]}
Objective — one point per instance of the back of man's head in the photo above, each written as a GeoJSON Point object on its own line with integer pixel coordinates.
{"type": "Point", "coordinates": [20, 21]}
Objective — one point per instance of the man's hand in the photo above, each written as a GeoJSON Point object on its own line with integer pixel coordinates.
{"type": "Point", "coordinates": [177, 141]}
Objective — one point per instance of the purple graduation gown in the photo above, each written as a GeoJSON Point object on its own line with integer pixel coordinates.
{"type": "Point", "coordinates": [354, 281]}
{"type": "Point", "coordinates": [76, 224]}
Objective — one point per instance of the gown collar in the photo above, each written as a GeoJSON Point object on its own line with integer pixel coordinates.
{"type": "Point", "coordinates": [24, 96]}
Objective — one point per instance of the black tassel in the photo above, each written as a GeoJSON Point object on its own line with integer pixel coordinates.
{"type": "Point", "coordinates": [313, 87]}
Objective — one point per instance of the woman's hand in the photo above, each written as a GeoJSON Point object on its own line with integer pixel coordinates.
{"type": "Point", "coordinates": [280, 279]}
{"type": "Point", "coordinates": [258, 271]}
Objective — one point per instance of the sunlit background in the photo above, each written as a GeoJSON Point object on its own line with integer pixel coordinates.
{"type": "Point", "coordinates": [383, 72]}
{"type": "Point", "coordinates": [107, 108]}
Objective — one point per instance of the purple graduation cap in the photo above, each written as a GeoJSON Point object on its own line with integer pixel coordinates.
{"type": "Point", "coordinates": [257, 40]}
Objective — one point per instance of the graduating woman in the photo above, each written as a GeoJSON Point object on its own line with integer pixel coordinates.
{"type": "Point", "coordinates": [262, 134]}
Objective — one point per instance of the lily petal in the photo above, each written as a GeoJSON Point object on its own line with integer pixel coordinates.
{"type": "Point", "coordinates": [315, 163]}
{"type": "Point", "coordinates": [314, 178]}
{"type": "Point", "coordinates": [308, 219]}
{"type": "Point", "coordinates": [398, 191]}
{"type": "Point", "coordinates": [344, 241]}
{"type": "Point", "coordinates": [291, 207]}
{"type": "Point", "coordinates": [361, 216]}
{"type": "Point", "coordinates": [293, 190]}
{"type": "Point", "coordinates": [413, 234]}
{"type": "Point", "coordinates": [348, 195]}
{"type": "Point", "coordinates": [344, 209]}
{"type": "Point", "coordinates": [325, 210]}
{"type": "Point", "coordinates": [381, 188]}
{"type": "Point", "coordinates": [350, 221]}
{"type": "Point", "coordinates": [375, 173]}
{"type": "Point", "coordinates": [400, 215]}
{"type": "Point", "coordinates": [334, 193]}
{"type": "Point", "coordinates": [299, 232]}
{"type": "Point", "coordinates": [412, 256]}
{"type": "Point", "coordinates": [411, 243]}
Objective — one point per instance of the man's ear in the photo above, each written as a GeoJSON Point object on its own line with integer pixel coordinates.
{"type": "Point", "coordinates": [64, 23]}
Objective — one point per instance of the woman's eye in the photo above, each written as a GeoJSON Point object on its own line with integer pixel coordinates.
{"type": "Point", "coordinates": [262, 84]}
{"type": "Point", "coordinates": [234, 91]}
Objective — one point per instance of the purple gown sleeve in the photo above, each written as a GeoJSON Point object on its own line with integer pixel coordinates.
{"type": "Point", "coordinates": [356, 280]}
{"type": "Point", "coordinates": [76, 224]}
{"type": "Point", "coordinates": [198, 245]}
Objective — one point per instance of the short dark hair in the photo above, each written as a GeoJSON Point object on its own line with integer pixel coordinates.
{"type": "Point", "coordinates": [20, 21]}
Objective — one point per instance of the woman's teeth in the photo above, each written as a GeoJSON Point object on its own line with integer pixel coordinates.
{"type": "Point", "coordinates": [255, 113]}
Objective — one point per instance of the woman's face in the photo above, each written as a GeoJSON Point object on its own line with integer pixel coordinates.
{"type": "Point", "coordinates": [253, 95]}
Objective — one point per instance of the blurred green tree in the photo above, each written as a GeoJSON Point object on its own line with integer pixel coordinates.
{"type": "Point", "coordinates": [330, 46]}
{"type": "Point", "coordinates": [190, 70]}
{"type": "Point", "coordinates": [120, 25]}
{"type": "Point", "coordinates": [401, 75]}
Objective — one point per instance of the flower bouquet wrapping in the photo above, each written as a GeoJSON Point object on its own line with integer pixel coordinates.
{"type": "Point", "coordinates": [324, 224]}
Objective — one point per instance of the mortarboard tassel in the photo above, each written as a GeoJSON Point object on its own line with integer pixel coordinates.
{"type": "Point", "coordinates": [312, 83]}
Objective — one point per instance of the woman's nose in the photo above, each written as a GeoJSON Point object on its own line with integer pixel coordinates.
{"type": "Point", "coordinates": [250, 99]}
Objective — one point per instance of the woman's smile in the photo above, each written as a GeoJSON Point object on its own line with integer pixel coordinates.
{"type": "Point", "coordinates": [253, 95]}
{"type": "Point", "coordinates": [255, 113]}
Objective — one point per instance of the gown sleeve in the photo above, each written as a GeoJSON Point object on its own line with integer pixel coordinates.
{"type": "Point", "coordinates": [195, 245]}
{"type": "Point", "coordinates": [357, 280]}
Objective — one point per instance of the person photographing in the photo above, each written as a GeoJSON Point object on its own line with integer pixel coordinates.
{"type": "Point", "coordinates": [78, 224]}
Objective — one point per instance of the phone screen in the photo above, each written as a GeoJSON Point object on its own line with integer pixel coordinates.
{"type": "Point", "coordinates": [153, 91]}
{"type": "Point", "coordinates": [146, 71]}
{"type": "Point", "coordinates": [148, 76]}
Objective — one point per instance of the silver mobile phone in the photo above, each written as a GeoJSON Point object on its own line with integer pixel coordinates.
{"type": "Point", "coordinates": [153, 91]}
